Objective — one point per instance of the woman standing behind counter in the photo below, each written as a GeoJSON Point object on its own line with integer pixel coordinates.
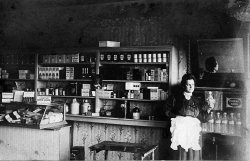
{"type": "Point", "coordinates": [186, 113]}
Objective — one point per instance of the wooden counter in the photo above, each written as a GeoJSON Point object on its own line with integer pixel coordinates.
{"type": "Point", "coordinates": [22, 143]}
{"type": "Point", "coordinates": [116, 121]}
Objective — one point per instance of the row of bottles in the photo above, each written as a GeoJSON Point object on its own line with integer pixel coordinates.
{"type": "Point", "coordinates": [226, 123]}
{"type": "Point", "coordinates": [47, 73]}
{"type": "Point", "coordinates": [122, 112]}
{"type": "Point", "coordinates": [161, 57]}
{"type": "Point", "coordinates": [84, 108]}
{"type": "Point", "coordinates": [68, 58]}
{"type": "Point", "coordinates": [76, 108]}
{"type": "Point", "coordinates": [71, 89]}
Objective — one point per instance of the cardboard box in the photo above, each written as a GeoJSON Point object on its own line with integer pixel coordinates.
{"type": "Point", "coordinates": [69, 72]}
{"type": "Point", "coordinates": [103, 94]}
{"type": "Point", "coordinates": [85, 92]}
{"type": "Point", "coordinates": [8, 95]}
{"type": "Point", "coordinates": [18, 96]}
{"type": "Point", "coordinates": [154, 93]}
{"type": "Point", "coordinates": [43, 99]}
{"type": "Point", "coordinates": [75, 58]}
{"type": "Point", "coordinates": [7, 100]}
{"type": "Point", "coordinates": [132, 86]}
{"type": "Point", "coordinates": [86, 86]}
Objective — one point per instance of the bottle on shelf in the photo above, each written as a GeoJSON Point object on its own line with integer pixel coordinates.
{"type": "Point", "coordinates": [224, 123]}
{"type": "Point", "coordinates": [140, 58]}
{"type": "Point", "coordinates": [102, 56]}
{"type": "Point", "coordinates": [217, 127]}
{"type": "Point", "coordinates": [238, 124]}
{"type": "Point", "coordinates": [210, 123]}
{"type": "Point", "coordinates": [135, 58]}
{"type": "Point", "coordinates": [149, 58]}
{"type": "Point", "coordinates": [159, 58]}
{"type": "Point", "coordinates": [145, 58]}
{"type": "Point", "coordinates": [85, 106]}
{"type": "Point", "coordinates": [136, 112]}
{"type": "Point", "coordinates": [132, 95]}
{"type": "Point", "coordinates": [231, 123]}
{"type": "Point", "coordinates": [115, 57]}
{"type": "Point", "coordinates": [129, 57]}
{"type": "Point", "coordinates": [109, 57]}
{"type": "Point", "coordinates": [164, 57]}
{"type": "Point", "coordinates": [66, 107]}
{"type": "Point", "coordinates": [75, 107]}
{"type": "Point", "coordinates": [121, 58]}
{"type": "Point", "coordinates": [56, 91]}
{"type": "Point", "coordinates": [154, 58]}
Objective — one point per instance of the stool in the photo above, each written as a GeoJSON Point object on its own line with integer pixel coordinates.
{"type": "Point", "coordinates": [142, 149]}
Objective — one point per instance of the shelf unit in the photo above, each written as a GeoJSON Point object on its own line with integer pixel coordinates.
{"type": "Point", "coordinates": [17, 70]}
{"type": "Point", "coordinates": [76, 67]}
{"type": "Point", "coordinates": [239, 106]}
{"type": "Point", "coordinates": [97, 65]}
{"type": "Point", "coordinates": [126, 63]}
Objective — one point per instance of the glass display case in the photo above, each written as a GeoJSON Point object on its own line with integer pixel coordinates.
{"type": "Point", "coordinates": [32, 115]}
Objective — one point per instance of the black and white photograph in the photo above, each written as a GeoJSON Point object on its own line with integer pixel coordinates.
{"type": "Point", "coordinates": [124, 80]}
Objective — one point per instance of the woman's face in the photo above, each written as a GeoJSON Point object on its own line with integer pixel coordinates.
{"type": "Point", "coordinates": [189, 86]}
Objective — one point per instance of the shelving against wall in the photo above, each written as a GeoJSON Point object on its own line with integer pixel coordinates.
{"type": "Point", "coordinates": [67, 75]}
{"type": "Point", "coordinates": [111, 80]}
{"type": "Point", "coordinates": [17, 70]}
{"type": "Point", "coordinates": [136, 78]}
{"type": "Point", "coordinates": [225, 132]}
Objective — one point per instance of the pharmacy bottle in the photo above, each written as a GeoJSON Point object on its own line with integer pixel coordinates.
{"type": "Point", "coordinates": [136, 113]}
{"type": "Point", "coordinates": [75, 107]}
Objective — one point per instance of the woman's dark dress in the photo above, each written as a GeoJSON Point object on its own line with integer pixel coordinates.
{"type": "Point", "coordinates": [178, 105]}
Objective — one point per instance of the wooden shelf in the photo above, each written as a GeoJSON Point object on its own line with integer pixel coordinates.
{"type": "Point", "coordinates": [126, 99]}
{"type": "Point", "coordinates": [224, 134]}
{"type": "Point", "coordinates": [116, 121]}
{"type": "Point", "coordinates": [219, 89]}
{"type": "Point", "coordinates": [53, 64]}
{"type": "Point", "coordinates": [131, 63]}
{"type": "Point", "coordinates": [17, 79]}
{"type": "Point", "coordinates": [86, 97]}
{"type": "Point", "coordinates": [123, 81]}
{"type": "Point", "coordinates": [65, 80]}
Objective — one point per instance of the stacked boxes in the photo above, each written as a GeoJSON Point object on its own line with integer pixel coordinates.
{"type": "Point", "coordinates": [68, 58]}
{"type": "Point", "coordinates": [75, 58]}
{"type": "Point", "coordinates": [69, 73]}
{"type": "Point", "coordinates": [85, 91]}
{"type": "Point", "coordinates": [5, 74]}
{"type": "Point", "coordinates": [24, 74]}
{"type": "Point", "coordinates": [7, 97]}
{"type": "Point", "coordinates": [154, 93]}
{"type": "Point", "coordinates": [157, 74]}
{"type": "Point", "coordinates": [50, 72]}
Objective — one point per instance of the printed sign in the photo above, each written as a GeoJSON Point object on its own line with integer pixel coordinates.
{"type": "Point", "coordinates": [233, 102]}
{"type": "Point", "coordinates": [43, 99]}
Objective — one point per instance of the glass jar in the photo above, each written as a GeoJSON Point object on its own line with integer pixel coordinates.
{"type": "Point", "coordinates": [136, 113]}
